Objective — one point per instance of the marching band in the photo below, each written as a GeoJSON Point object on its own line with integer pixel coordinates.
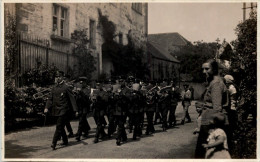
{"type": "Point", "coordinates": [124, 100]}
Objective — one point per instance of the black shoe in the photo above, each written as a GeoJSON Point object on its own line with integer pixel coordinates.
{"type": "Point", "coordinates": [124, 139]}
{"type": "Point", "coordinates": [189, 121]}
{"type": "Point", "coordinates": [103, 136]}
{"type": "Point", "coordinates": [85, 135]}
{"type": "Point", "coordinates": [96, 140]}
{"type": "Point", "coordinates": [164, 129]}
{"type": "Point", "coordinates": [53, 146]}
{"type": "Point", "coordinates": [70, 135]}
{"type": "Point", "coordinates": [134, 137]}
{"type": "Point", "coordinates": [182, 122]}
{"type": "Point", "coordinates": [118, 143]}
{"type": "Point", "coordinates": [78, 138]}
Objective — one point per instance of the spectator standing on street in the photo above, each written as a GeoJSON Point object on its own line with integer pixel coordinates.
{"type": "Point", "coordinates": [61, 102]}
{"type": "Point", "coordinates": [212, 103]}
{"type": "Point", "coordinates": [186, 102]}
{"type": "Point", "coordinates": [232, 111]}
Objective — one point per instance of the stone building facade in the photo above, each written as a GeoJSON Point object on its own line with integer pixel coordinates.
{"type": "Point", "coordinates": [56, 21]}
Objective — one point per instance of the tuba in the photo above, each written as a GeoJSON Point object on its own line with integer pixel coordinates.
{"type": "Point", "coordinates": [163, 93]}
{"type": "Point", "coordinates": [150, 95]}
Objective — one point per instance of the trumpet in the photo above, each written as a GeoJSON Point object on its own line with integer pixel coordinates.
{"type": "Point", "coordinates": [42, 93]}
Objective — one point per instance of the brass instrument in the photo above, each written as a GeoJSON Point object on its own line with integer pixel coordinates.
{"type": "Point", "coordinates": [47, 91]}
{"type": "Point", "coordinates": [42, 93]}
{"type": "Point", "coordinates": [151, 94]}
{"type": "Point", "coordinates": [163, 93]}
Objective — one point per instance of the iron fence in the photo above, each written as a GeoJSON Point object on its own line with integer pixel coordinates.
{"type": "Point", "coordinates": [34, 51]}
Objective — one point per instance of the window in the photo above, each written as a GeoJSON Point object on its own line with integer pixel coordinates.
{"type": "Point", "coordinates": [120, 38]}
{"type": "Point", "coordinates": [92, 33]}
{"type": "Point", "coordinates": [137, 7]}
{"type": "Point", "coordinates": [60, 20]}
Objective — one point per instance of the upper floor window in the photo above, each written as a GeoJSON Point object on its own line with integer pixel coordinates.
{"type": "Point", "coordinates": [60, 20]}
{"type": "Point", "coordinates": [137, 7]}
{"type": "Point", "coordinates": [92, 33]}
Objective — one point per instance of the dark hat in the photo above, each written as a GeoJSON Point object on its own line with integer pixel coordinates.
{"type": "Point", "coordinates": [185, 85]}
{"type": "Point", "coordinates": [59, 73]}
{"type": "Point", "coordinates": [82, 78]}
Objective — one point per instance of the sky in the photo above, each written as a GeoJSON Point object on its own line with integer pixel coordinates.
{"type": "Point", "coordinates": [196, 21]}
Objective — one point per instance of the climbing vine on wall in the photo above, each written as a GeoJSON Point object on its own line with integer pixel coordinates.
{"type": "Point", "coordinates": [126, 58]}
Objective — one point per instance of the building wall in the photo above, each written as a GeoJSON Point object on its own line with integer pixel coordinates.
{"type": "Point", "coordinates": [161, 69]}
{"type": "Point", "coordinates": [37, 19]}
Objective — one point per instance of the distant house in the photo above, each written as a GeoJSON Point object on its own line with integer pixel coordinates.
{"type": "Point", "coordinates": [170, 42]}
{"type": "Point", "coordinates": [161, 60]}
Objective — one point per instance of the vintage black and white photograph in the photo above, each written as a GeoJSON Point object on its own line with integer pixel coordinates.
{"type": "Point", "coordinates": [129, 80]}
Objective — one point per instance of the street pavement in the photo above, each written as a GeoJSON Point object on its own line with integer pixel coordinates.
{"type": "Point", "coordinates": [176, 143]}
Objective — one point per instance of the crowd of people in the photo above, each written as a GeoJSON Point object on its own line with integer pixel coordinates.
{"type": "Point", "coordinates": [126, 102]}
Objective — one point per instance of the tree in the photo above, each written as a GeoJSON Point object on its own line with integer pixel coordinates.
{"type": "Point", "coordinates": [86, 60]}
{"type": "Point", "coordinates": [192, 56]}
{"type": "Point", "coordinates": [10, 48]}
{"type": "Point", "coordinates": [245, 74]}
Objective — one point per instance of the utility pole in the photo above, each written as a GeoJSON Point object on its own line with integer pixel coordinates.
{"type": "Point", "coordinates": [252, 6]}
{"type": "Point", "coordinates": [244, 11]}
{"type": "Point", "coordinates": [216, 55]}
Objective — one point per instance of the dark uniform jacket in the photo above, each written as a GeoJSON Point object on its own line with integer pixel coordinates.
{"type": "Point", "coordinates": [83, 101]}
{"type": "Point", "coordinates": [61, 100]}
{"type": "Point", "coordinates": [175, 96]}
{"type": "Point", "coordinates": [120, 104]}
{"type": "Point", "coordinates": [151, 98]}
{"type": "Point", "coordinates": [135, 103]}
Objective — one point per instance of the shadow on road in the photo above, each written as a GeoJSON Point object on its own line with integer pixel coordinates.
{"type": "Point", "coordinates": [13, 150]}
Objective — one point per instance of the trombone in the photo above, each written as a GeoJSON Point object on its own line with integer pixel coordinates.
{"type": "Point", "coordinates": [42, 93]}
{"type": "Point", "coordinates": [47, 91]}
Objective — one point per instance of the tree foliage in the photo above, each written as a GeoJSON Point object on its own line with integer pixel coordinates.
{"type": "Point", "coordinates": [192, 57]}
{"type": "Point", "coordinates": [244, 70]}
{"type": "Point", "coordinates": [10, 46]}
{"type": "Point", "coordinates": [86, 60]}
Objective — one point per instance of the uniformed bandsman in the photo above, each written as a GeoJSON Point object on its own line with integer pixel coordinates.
{"type": "Point", "coordinates": [151, 101]}
{"type": "Point", "coordinates": [120, 101]}
{"type": "Point", "coordinates": [61, 102]}
{"type": "Point", "coordinates": [164, 103]}
{"type": "Point", "coordinates": [98, 113]}
{"type": "Point", "coordinates": [175, 96]}
{"type": "Point", "coordinates": [83, 102]}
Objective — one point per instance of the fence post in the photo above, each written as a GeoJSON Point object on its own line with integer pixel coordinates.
{"type": "Point", "coordinates": [19, 60]}
{"type": "Point", "coordinates": [67, 65]}
{"type": "Point", "coordinates": [47, 52]}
